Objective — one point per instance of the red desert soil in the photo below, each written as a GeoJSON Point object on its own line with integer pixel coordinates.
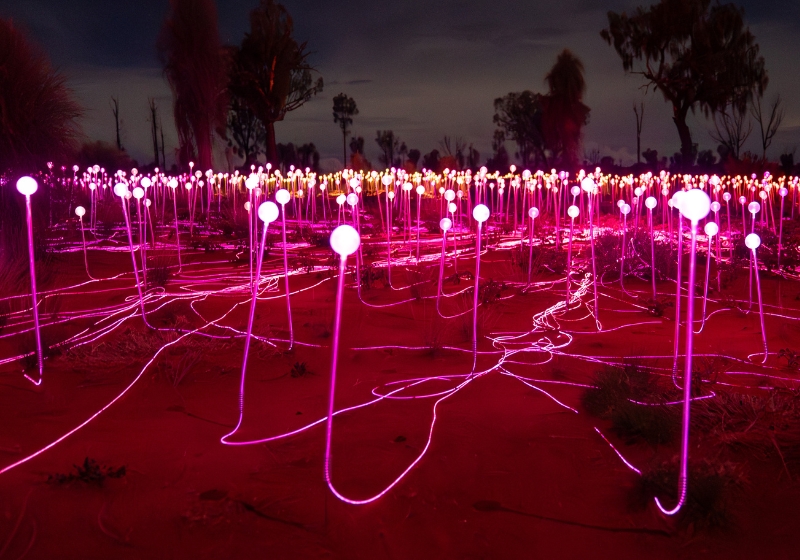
{"type": "Point", "coordinates": [510, 473]}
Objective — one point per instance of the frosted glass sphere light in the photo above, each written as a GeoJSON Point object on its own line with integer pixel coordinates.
{"type": "Point", "coordinates": [695, 205]}
{"type": "Point", "coordinates": [268, 212]}
{"type": "Point", "coordinates": [27, 185]}
{"type": "Point", "coordinates": [480, 213]}
{"type": "Point", "coordinates": [753, 241]}
{"type": "Point", "coordinates": [282, 196]}
{"type": "Point", "coordinates": [345, 240]}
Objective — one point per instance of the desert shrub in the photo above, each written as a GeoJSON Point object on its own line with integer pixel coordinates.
{"type": "Point", "coordinates": [90, 472]}
{"type": "Point", "coordinates": [765, 425]}
{"type": "Point", "coordinates": [711, 490]}
{"type": "Point", "coordinates": [611, 398]}
{"type": "Point", "coordinates": [299, 369]}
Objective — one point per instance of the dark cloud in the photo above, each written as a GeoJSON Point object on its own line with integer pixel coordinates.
{"type": "Point", "coordinates": [424, 68]}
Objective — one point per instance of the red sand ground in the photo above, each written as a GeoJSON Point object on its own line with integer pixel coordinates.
{"type": "Point", "coordinates": [561, 490]}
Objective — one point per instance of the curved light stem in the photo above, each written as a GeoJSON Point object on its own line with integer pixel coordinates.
{"type": "Point", "coordinates": [687, 384]}
{"type": "Point", "coordinates": [334, 359]}
{"type": "Point", "coordinates": [250, 317]}
{"type": "Point", "coordinates": [676, 342]}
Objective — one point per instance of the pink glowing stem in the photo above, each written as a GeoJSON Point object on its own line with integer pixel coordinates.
{"type": "Point", "coordinates": [177, 231]}
{"type": "Point", "coordinates": [676, 342]}
{"type": "Point", "coordinates": [530, 252]}
{"type": "Point", "coordinates": [334, 359]}
{"type": "Point", "coordinates": [85, 258]}
{"type": "Point", "coordinates": [705, 289]}
{"type": "Point", "coordinates": [569, 260]}
{"type": "Point", "coordinates": [780, 235]}
{"type": "Point", "coordinates": [35, 307]}
{"type": "Point", "coordinates": [475, 299]}
{"type": "Point", "coordinates": [388, 241]}
{"type": "Point", "coordinates": [687, 382]}
{"type": "Point", "coordinates": [419, 224]}
{"type": "Point", "coordinates": [594, 265]}
{"type": "Point", "coordinates": [652, 254]}
{"type": "Point", "coordinates": [286, 279]}
{"type": "Point", "coordinates": [760, 308]}
{"type": "Point", "coordinates": [622, 256]}
{"type": "Point", "coordinates": [441, 271]}
{"type": "Point", "coordinates": [248, 336]}
{"type": "Point", "coordinates": [133, 259]}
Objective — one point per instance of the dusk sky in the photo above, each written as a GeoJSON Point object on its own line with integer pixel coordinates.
{"type": "Point", "coordinates": [422, 69]}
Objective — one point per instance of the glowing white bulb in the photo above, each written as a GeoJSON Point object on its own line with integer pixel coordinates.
{"type": "Point", "coordinates": [726, 196]}
{"type": "Point", "coordinates": [715, 206]}
{"type": "Point", "coordinates": [588, 184]}
{"type": "Point", "coordinates": [575, 191]}
{"type": "Point", "coordinates": [390, 194]}
{"type": "Point", "coordinates": [27, 185]}
{"type": "Point", "coordinates": [80, 211]}
{"type": "Point", "coordinates": [340, 199]}
{"type": "Point", "coordinates": [120, 189]}
{"type": "Point", "coordinates": [145, 182]}
{"type": "Point", "coordinates": [650, 202]}
{"type": "Point", "coordinates": [753, 241]}
{"type": "Point", "coordinates": [449, 195]}
{"type": "Point", "coordinates": [625, 209]}
{"type": "Point", "coordinates": [345, 240]}
{"type": "Point", "coordinates": [173, 183]}
{"type": "Point", "coordinates": [352, 199]}
{"type": "Point", "coordinates": [533, 212]}
{"type": "Point", "coordinates": [282, 196]}
{"type": "Point", "coordinates": [711, 229]}
{"type": "Point", "coordinates": [695, 205]}
{"type": "Point", "coordinates": [268, 212]}
{"type": "Point", "coordinates": [452, 207]}
{"type": "Point", "coordinates": [407, 186]}
{"type": "Point", "coordinates": [480, 213]}
{"type": "Point", "coordinates": [445, 224]}
{"type": "Point", "coordinates": [138, 193]}
{"type": "Point", "coordinates": [783, 191]}
{"type": "Point", "coordinates": [420, 190]}
{"type": "Point", "coordinates": [386, 180]}
{"type": "Point", "coordinates": [573, 211]}
{"type": "Point", "coordinates": [754, 207]}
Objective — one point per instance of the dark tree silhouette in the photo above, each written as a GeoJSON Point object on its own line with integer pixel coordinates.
{"type": "Point", "coordinates": [564, 113]}
{"type": "Point", "coordinates": [190, 51]}
{"type": "Point", "coordinates": [115, 112]}
{"type": "Point", "coordinates": [519, 118]}
{"type": "Point", "coordinates": [38, 115]}
{"type": "Point", "coordinates": [248, 136]}
{"type": "Point", "coordinates": [154, 129]}
{"type": "Point", "coordinates": [270, 71]}
{"type": "Point", "coordinates": [695, 52]}
{"type": "Point", "coordinates": [768, 122]}
{"type": "Point", "coordinates": [308, 157]}
{"type": "Point", "coordinates": [344, 108]}
{"type": "Point", "coordinates": [731, 130]}
{"type": "Point", "coordinates": [639, 112]}
{"type": "Point", "coordinates": [389, 145]}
